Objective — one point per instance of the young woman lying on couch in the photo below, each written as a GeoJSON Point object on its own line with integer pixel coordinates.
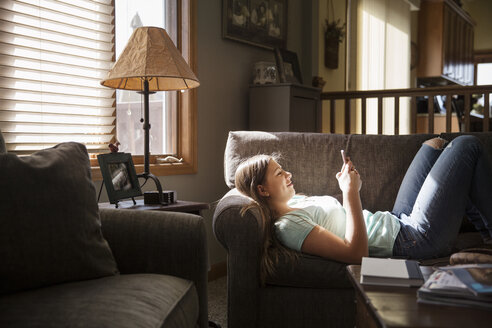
{"type": "Point", "coordinates": [444, 182]}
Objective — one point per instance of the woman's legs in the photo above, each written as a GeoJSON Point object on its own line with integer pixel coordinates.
{"type": "Point", "coordinates": [414, 179]}
{"type": "Point", "coordinates": [460, 174]}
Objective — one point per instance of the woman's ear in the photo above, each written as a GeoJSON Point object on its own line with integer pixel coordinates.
{"type": "Point", "coordinates": [262, 191]}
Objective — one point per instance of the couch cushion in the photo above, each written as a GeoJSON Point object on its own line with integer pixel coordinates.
{"type": "Point", "coordinates": [485, 138]}
{"type": "Point", "coordinates": [140, 300]}
{"type": "Point", "coordinates": [3, 148]}
{"type": "Point", "coordinates": [310, 272]}
{"type": "Point", "coordinates": [314, 159]}
{"type": "Point", "coordinates": [51, 231]}
{"type": "Point", "coordinates": [307, 156]}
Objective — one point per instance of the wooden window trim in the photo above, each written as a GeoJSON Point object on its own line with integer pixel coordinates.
{"type": "Point", "coordinates": [186, 113]}
{"type": "Point", "coordinates": [479, 57]}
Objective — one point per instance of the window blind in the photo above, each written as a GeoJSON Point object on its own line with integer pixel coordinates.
{"type": "Point", "coordinates": [53, 54]}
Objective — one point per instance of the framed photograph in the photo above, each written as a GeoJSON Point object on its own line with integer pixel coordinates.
{"type": "Point", "coordinates": [288, 66]}
{"type": "Point", "coordinates": [262, 23]}
{"type": "Point", "coordinates": [119, 176]}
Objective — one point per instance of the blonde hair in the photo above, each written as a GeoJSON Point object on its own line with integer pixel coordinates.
{"type": "Point", "coordinates": [249, 175]}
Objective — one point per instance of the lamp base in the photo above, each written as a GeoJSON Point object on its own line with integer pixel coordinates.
{"type": "Point", "coordinates": [168, 197]}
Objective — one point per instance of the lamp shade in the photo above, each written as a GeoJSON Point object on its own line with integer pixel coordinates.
{"type": "Point", "coordinates": [151, 54]}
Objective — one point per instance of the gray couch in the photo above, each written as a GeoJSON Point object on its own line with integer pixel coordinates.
{"type": "Point", "coordinates": [314, 292]}
{"type": "Point", "coordinates": [64, 263]}
{"type": "Point", "coordinates": [162, 260]}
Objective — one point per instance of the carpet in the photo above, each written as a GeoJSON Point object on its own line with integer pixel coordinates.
{"type": "Point", "coordinates": [217, 301]}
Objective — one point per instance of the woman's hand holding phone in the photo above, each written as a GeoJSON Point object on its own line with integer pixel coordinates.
{"type": "Point", "coordinates": [348, 177]}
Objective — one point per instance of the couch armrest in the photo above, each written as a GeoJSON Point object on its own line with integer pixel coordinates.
{"type": "Point", "coordinates": [240, 236]}
{"type": "Point", "coordinates": [161, 242]}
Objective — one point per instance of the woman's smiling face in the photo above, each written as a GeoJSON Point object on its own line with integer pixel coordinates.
{"type": "Point", "coordinates": [277, 184]}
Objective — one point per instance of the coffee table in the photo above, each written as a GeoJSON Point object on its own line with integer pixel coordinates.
{"type": "Point", "coordinates": [386, 306]}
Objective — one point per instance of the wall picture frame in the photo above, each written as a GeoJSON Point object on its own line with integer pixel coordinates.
{"type": "Point", "coordinates": [261, 23]}
{"type": "Point", "coordinates": [119, 176]}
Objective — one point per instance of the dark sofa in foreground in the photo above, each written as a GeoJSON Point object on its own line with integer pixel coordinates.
{"type": "Point", "coordinates": [64, 263]}
{"type": "Point", "coordinates": [314, 292]}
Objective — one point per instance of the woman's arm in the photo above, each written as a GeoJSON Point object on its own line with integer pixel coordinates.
{"type": "Point", "coordinates": [353, 247]}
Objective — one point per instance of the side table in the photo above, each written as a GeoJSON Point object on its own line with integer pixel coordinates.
{"type": "Point", "coordinates": [179, 206]}
{"type": "Point", "coordinates": [387, 306]}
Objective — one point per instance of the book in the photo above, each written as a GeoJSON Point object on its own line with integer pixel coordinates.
{"type": "Point", "coordinates": [390, 272]}
{"type": "Point", "coordinates": [459, 285]}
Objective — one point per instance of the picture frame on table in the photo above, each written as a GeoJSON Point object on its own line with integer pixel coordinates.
{"type": "Point", "coordinates": [288, 66]}
{"type": "Point", "coordinates": [261, 23]}
{"type": "Point", "coordinates": [119, 176]}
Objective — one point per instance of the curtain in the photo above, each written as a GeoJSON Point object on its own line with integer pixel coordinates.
{"type": "Point", "coordinates": [383, 58]}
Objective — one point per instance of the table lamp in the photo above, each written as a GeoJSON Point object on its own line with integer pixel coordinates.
{"type": "Point", "coordinates": [150, 62]}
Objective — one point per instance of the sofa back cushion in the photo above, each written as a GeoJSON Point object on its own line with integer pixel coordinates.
{"type": "Point", "coordinates": [484, 137]}
{"type": "Point", "coordinates": [51, 231]}
{"type": "Point", "coordinates": [3, 148]}
{"type": "Point", "coordinates": [314, 159]}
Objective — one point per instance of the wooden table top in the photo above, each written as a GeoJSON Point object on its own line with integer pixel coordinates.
{"type": "Point", "coordinates": [398, 307]}
{"type": "Point", "coordinates": [178, 206]}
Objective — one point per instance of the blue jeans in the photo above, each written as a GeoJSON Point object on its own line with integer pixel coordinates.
{"type": "Point", "coordinates": [438, 189]}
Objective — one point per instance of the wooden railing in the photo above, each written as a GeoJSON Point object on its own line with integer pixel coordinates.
{"type": "Point", "coordinates": [464, 117]}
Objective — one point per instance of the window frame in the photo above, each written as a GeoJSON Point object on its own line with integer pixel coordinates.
{"type": "Point", "coordinates": [186, 111]}
{"type": "Point", "coordinates": [480, 57]}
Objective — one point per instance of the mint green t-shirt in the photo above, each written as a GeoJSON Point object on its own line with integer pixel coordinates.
{"type": "Point", "coordinates": [293, 227]}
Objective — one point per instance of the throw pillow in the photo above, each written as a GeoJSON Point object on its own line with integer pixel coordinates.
{"type": "Point", "coordinates": [50, 227]}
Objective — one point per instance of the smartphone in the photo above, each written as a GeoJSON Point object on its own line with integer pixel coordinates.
{"type": "Point", "coordinates": [343, 156]}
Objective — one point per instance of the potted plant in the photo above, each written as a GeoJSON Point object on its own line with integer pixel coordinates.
{"type": "Point", "coordinates": [334, 33]}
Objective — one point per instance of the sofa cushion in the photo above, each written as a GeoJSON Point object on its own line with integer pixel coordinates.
{"type": "Point", "coordinates": [51, 231]}
{"type": "Point", "coordinates": [484, 137]}
{"type": "Point", "coordinates": [314, 159]}
{"type": "Point", "coordinates": [310, 272]}
{"type": "Point", "coordinates": [3, 148]}
{"type": "Point", "coordinates": [311, 175]}
{"type": "Point", "coordinates": [140, 300]}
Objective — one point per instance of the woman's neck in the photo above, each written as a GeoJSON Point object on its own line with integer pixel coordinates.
{"type": "Point", "coordinates": [280, 209]}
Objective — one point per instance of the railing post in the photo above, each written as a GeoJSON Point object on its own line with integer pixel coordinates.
{"type": "Point", "coordinates": [486, 112]}
{"type": "Point", "coordinates": [467, 112]}
{"type": "Point", "coordinates": [347, 116]}
{"type": "Point", "coordinates": [413, 115]}
{"type": "Point", "coordinates": [363, 114]}
{"type": "Point", "coordinates": [448, 113]}
{"type": "Point", "coordinates": [380, 115]}
{"type": "Point", "coordinates": [397, 115]}
{"type": "Point", "coordinates": [430, 111]}
{"type": "Point", "coordinates": [332, 115]}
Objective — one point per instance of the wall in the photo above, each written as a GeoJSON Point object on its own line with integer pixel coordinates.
{"type": "Point", "coordinates": [225, 72]}
{"type": "Point", "coordinates": [480, 11]}
{"type": "Point", "coordinates": [335, 78]}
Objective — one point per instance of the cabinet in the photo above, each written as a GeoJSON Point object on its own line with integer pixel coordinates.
{"type": "Point", "coordinates": [284, 107]}
{"type": "Point", "coordinates": [445, 42]}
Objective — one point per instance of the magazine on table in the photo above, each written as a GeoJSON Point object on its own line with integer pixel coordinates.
{"type": "Point", "coordinates": [463, 285]}
{"type": "Point", "coordinates": [477, 277]}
